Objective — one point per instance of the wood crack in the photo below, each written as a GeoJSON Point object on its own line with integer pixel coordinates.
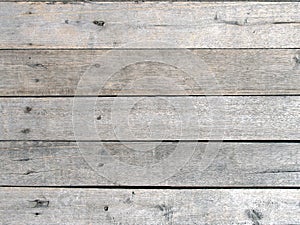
{"type": "Point", "coordinates": [29, 172]}
{"type": "Point", "coordinates": [278, 171]}
{"type": "Point", "coordinates": [245, 22]}
{"type": "Point", "coordinates": [22, 160]}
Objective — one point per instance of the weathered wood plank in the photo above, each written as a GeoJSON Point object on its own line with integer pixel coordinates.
{"type": "Point", "coordinates": [235, 164]}
{"type": "Point", "coordinates": [151, 118]}
{"type": "Point", "coordinates": [259, 72]}
{"type": "Point", "coordinates": [135, 1]}
{"type": "Point", "coordinates": [105, 206]}
{"type": "Point", "coordinates": [168, 24]}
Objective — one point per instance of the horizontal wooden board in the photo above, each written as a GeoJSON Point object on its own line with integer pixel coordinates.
{"type": "Point", "coordinates": [233, 164]}
{"type": "Point", "coordinates": [151, 118]}
{"type": "Point", "coordinates": [236, 72]}
{"type": "Point", "coordinates": [161, 24]}
{"type": "Point", "coordinates": [135, 1]}
{"type": "Point", "coordinates": [106, 206]}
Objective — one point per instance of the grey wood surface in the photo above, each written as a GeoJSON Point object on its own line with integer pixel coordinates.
{"type": "Point", "coordinates": [135, 1]}
{"type": "Point", "coordinates": [234, 164]}
{"type": "Point", "coordinates": [146, 128]}
{"type": "Point", "coordinates": [237, 72]}
{"type": "Point", "coordinates": [105, 206]}
{"type": "Point", "coordinates": [151, 118]}
{"type": "Point", "coordinates": [168, 24]}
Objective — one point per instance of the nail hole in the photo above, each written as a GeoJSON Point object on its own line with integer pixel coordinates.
{"type": "Point", "coordinates": [37, 80]}
{"type": "Point", "coordinates": [25, 131]}
{"type": "Point", "coordinates": [27, 109]}
{"type": "Point", "coordinates": [106, 208]}
{"type": "Point", "coordinates": [99, 117]}
{"type": "Point", "coordinates": [99, 23]}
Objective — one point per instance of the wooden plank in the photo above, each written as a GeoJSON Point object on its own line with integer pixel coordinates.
{"type": "Point", "coordinates": [135, 1]}
{"type": "Point", "coordinates": [162, 24]}
{"type": "Point", "coordinates": [107, 206]}
{"type": "Point", "coordinates": [151, 118]}
{"type": "Point", "coordinates": [237, 72]}
{"type": "Point", "coordinates": [234, 164]}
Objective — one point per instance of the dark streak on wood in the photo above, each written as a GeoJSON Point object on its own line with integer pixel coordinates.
{"type": "Point", "coordinates": [279, 171]}
{"type": "Point", "coordinates": [99, 23]}
{"type": "Point", "coordinates": [40, 203]}
{"type": "Point", "coordinates": [37, 65]}
{"type": "Point", "coordinates": [254, 215]}
{"type": "Point", "coordinates": [25, 131]}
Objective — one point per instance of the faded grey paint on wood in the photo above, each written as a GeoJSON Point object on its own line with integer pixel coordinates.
{"type": "Point", "coordinates": [246, 72]}
{"type": "Point", "coordinates": [151, 118]}
{"type": "Point", "coordinates": [134, 1]}
{"type": "Point", "coordinates": [235, 164]}
{"type": "Point", "coordinates": [169, 24]}
{"type": "Point", "coordinates": [105, 206]}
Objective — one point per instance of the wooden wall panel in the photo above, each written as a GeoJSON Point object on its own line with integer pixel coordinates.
{"type": "Point", "coordinates": [149, 149]}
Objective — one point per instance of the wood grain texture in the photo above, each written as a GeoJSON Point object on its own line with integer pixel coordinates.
{"type": "Point", "coordinates": [151, 118]}
{"type": "Point", "coordinates": [246, 48]}
{"type": "Point", "coordinates": [235, 164]}
{"type": "Point", "coordinates": [168, 24]}
{"type": "Point", "coordinates": [135, 1]}
{"type": "Point", "coordinates": [237, 72]}
{"type": "Point", "coordinates": [105, 206]}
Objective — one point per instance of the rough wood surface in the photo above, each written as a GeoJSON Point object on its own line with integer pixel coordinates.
{"type": "Point", "coordinates": [44, 73]}
{"type": "Point", "coordinates": [145, 137]}
{"type": "Point", "coordinates": [234, 164]}
{"type": "Point", "coordinates": [105, 206]}
{"type": "Point", "coordinates": [135, 1]}
{"type": "Point", "coordinates": [168, 24]}
{"type": "Point", "coordinates": [151, 118]}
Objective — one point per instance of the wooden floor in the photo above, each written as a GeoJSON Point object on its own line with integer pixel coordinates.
{"type": "Point", "coordinates": [131, 113]}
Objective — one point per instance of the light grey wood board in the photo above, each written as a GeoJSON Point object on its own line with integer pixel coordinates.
{"type": "Point", "coordinates": [151, 118]}
{"type": "Point", "coordinates": [236, 72]}
{"type": "Point", "coordinates": [161, 24]}
{"type": "Point", "coordinates": [134, 1]}
{"type": "Point", "coordinates": [106, 206]}
{"type": "Point", "coordinates": [233, 164]}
